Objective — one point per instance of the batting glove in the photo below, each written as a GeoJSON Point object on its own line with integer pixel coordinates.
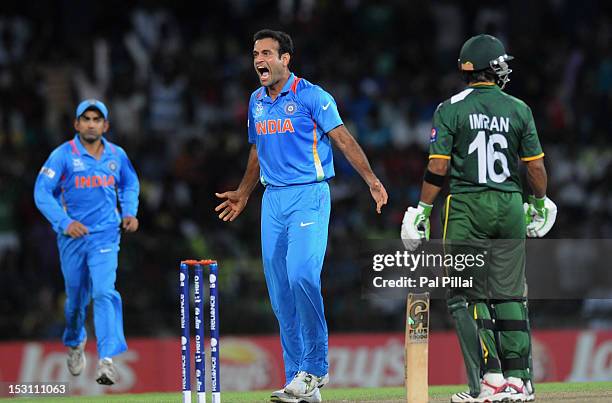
{"type": "Point", "coordinates": [540, 216]}
{"type": "Point", "coordinates": [415, 225]}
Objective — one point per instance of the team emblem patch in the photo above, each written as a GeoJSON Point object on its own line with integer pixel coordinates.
{"type": "Point", "coordinates": [434, 135]}
{"type": "Point", "coordinates": [112, 165]}
{"type": "Point", "coordinates": [78, 165]}
{"type": "Point", "coordinates": [258, 110]}
{"type": "Point", "coordinates": [290, 108]}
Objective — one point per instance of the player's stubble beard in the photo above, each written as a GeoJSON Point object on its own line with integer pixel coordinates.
{"type": "Point", "coordinates": [274, 80]}
{"type": "Point", "coordinates": [91, 137]}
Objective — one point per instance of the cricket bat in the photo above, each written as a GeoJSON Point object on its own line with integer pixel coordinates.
{"type": "Point", "coordinates": [417, 343]}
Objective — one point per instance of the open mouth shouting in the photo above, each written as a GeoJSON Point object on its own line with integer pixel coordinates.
{"type": "Point", "coordinates": [263, 72]}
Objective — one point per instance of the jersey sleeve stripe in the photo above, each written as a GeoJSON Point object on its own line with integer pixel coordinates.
{"type": "Point", "coordinates": [315, 154]}
{"type": "Point", "coordinates": [440, 156]}
{"type": "Point", "coordinates": [535, 157]}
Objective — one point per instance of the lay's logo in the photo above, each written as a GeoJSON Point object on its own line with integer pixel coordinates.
{"type": "Point", "coordinates": [273, 126]}
{"type": "Point", "coordinates": [95, 181]}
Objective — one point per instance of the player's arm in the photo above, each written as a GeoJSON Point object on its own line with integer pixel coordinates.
{"type": "Point", "coordinates": [540, 211]}
{"type": "Point", "coordinates": [47, 183]}
{"type": "Point", "coordinates": [353, 152]}
{"type": "Point", "coordinates": [429, 190]}
{"type": "Point", "coordinates": [415, 224]}
{"type": "Point", "coordinates": [128, 189]}
{"type": "Point", "coordinates": [236, 200]}
{"type": "Point", "coordinates": [536, 177]}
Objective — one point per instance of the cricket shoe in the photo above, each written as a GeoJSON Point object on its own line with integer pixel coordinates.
{"type": "Point", "coordinates": [493, 389]}
{"type": "Point", "coordinates": [107, 373]}
{"type": "Point", "coordinates": [76, 358]}
{"type": "Point", "coordinates": [490, 393]}
{"type": "Point", "coordinates": [282, 396]}
{"type": "Point", "coordinates": [521, 391]}
{"type": "Point", "coordinates": [305, 384]}
{"type": "Point", "coordinates": [462, 397]}
{"type": "Point", "coordinates": [529, 391]}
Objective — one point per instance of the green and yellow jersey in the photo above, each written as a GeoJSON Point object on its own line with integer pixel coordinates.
{"type": "Point", "coordinates": [484, 132]}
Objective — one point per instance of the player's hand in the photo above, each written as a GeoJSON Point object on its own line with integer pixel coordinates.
{"type": "Point", "coordinates": [232, 206]}
{"type": "Point", "coordinates": [76, 230]}
{"type": "Point", "coordinates": [129, 224]}
{"type": "Point", "coordinates": [415, 225]}
{"type": "Point", "coordinates": [379, 194]}
{"type": "Point", "coordinates": [540, 216]}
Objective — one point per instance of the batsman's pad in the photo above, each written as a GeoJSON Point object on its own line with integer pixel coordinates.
{"type": "Point", "coordinates": [486, 336]}
{"type": "Point", "coordinates": [513, 338]}
{"type": "Point", "coordinates": [467, 333]}
{"type": "Point", "coordinates": [530, 368]}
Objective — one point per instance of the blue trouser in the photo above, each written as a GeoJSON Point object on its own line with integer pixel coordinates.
{"type": "Point", "coordinates": [294, 223]}
{"type": "Point", "coordinates": [89, 266]}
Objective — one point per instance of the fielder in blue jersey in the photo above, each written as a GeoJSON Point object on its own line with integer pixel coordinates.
{"type": "Point", "coordinates": [291, 124]}
{"type": "Point", "coordinates": [88, 190]}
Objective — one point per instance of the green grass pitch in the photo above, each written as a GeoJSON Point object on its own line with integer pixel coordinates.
{"type": "Point", "coordinates": [437, 393]}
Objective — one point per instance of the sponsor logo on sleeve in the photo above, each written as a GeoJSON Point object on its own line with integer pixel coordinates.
{"type": "Point", "coordinates": [433, 137]}
{"type": "Point", "coordinates": [47, 172]}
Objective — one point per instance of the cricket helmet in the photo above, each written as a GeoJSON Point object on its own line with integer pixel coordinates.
{"type": "Point", "coordinates": [482, 52]}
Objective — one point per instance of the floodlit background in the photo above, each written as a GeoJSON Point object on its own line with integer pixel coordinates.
{"type": "Point", "coordinates": [177, 81]}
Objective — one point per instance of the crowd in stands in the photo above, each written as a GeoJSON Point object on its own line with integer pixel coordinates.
{"type": "Point", "coordinates": [177, 82]}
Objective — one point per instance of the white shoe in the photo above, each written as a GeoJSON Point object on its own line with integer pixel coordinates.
{"type": "Point", "coordinates": [282, 396]}
{"type": "Point", "coordinates": [107, 373]}
{"type": "Point", "coordinates": [315, 398]}
{"type": "Point", "coordinates": [518, 389]}
{"type": "Point", "coordinates": [493, 389]}
{"type": "Point", "coordinates": [529, 391]}
{"type": "Point", "coordinates": [305, 385]}
{"type": "Point", "coordinates": [76, 358]}
{"type": "Point", "coordinates": [493, 392]}
{"type": "Point", "coordinates": [462, 397]}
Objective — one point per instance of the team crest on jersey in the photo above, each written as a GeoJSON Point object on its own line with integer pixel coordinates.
{"type": "Point", "coordinates": [290, 108]}
{"type": "Point", "coordinates": [78, 165]}
{"type": "Point", "coordinates": [258, 110]}
{"type": "Point", "coordinates": [434, 135]}
{"type": "Point", "coordinates": [112, 165]}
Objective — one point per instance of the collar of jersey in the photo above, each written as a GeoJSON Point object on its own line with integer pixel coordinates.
{"type": "Point", "coordinates": [286, 89]}
{"type": "Point", "coordinates": [82, 149]}
{"type": "Point", "coordinates": [483, 84]}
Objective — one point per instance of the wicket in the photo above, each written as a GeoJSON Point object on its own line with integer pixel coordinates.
{"type": "Point", "coordinates": [200, 354]}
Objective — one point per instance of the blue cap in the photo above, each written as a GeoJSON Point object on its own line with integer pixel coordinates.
{"type": "Point", "coordinates": [92, 103]}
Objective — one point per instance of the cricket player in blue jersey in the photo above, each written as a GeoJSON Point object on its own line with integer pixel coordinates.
{"type": "Point", "coordinates": [78, 190]}
{"type": "Point", "coordinates": [291, 124]}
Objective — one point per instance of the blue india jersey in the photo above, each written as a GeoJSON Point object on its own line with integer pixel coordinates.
{"type": "Point", "coordinates": [290, 133]}
{"type": "Point", "coordinates": [73, 185]}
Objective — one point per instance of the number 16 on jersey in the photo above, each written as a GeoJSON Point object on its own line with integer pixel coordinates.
{"type": "Point", "coordinates": [487, 156]}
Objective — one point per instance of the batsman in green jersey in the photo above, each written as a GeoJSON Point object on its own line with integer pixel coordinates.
{"type": "Point", "coordinates": [481, 133]}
